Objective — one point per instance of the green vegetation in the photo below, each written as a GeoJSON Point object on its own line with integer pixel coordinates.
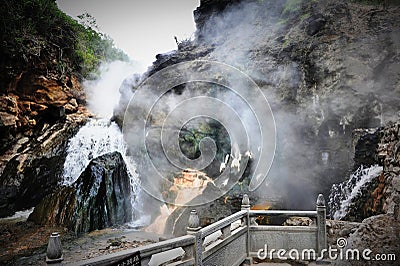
{"type": "Point", "coordinates": [36, 35]}
{"type": "Point", "coordinates": [291, 9]}
{"type": "Point", "coordinates": [292, 6]}
{"type": "Point", "coordinates": [93, 46]}
{"type": "Point", "coordinates": [190, 138]}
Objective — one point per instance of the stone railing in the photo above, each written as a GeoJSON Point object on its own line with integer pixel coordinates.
{"type": "Point", "coordinates": [234, 240]}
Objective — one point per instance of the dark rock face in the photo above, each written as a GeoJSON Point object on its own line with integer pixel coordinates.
{"type": "Point", "coordinates": [389, 155]}
{"type": "Point", "coordinates": [365, 147]}
{"type": "Point", "coordinates": [40, 109]}
{"type": "Point", "coordinates": [104, 194]}
{"type": "Point", "coordinates": [57, 209]}
{"type": "Point", "coordinates": [100, 198]}
{"type": "Point", "coordinates": [207, 9]}
{"type": "Point", "coordinates": [33, 168]}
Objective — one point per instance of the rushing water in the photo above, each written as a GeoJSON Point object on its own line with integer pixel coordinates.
{"type": "Point", "coordinates": [101, 136]}
{"type": "Point", "coordinates": [342, 194]}
{"type": "Point", "coordinates": [97, 138]}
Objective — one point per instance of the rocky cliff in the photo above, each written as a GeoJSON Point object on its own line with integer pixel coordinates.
{"type": "Point", "coordinates": [38, 114]}
{"type": "Point", "coordinates": [326, 67]}
{"type": "Point", "coordinates": [377, 205]}
{"type": "Point", "coordinates": [44, 56]}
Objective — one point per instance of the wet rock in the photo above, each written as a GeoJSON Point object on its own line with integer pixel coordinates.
{"type": "Point", "coordinates": [33, 167]}
{"type": "Point", "coordinates": [57, 209]}
{"type": "Point", "coordinates": [365, 142]}
{"type": "Point", "coordinates": [100, 198]}
{"type": "Point", "coordinates": [379, 233]}
{"type": "Point", "coordinates": [104, 194]}
{"type": "Point", "coordinates": [34, 131]}
{"type": "Point", "coordinates": [368, 202]}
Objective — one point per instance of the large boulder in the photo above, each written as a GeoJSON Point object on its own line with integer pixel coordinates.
{"type": "Point", "coordinates": [99, 198]}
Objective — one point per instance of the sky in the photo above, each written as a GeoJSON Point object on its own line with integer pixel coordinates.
{"type": "Point", "coordinates": [141, 28]}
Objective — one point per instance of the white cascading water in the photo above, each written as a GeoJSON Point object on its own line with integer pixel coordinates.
{"type": "Point", "coordinates": [101, 136]}
{"type": "Point", "coordinates": [343, 194]}
{"type": "Point", "coordinates": [96, 138]}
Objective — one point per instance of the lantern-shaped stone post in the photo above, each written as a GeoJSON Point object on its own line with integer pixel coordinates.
{"type": "Point", "coordinates": [54, 250]}
{"type": "Point", "coordinates": [194, 229]}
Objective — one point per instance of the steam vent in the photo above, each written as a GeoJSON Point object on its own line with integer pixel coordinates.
{"type": "Point", "coordinates": [200, 132]}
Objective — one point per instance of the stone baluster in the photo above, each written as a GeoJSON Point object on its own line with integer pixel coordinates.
{"type": "Point", "coordinates": [194, 229]}
{"type": "Point", "coordinates": [321, 223]}
{"type": "Point", "coordinates": [226, 231]}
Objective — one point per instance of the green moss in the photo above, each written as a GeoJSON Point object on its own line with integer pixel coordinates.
{"type": "Point", "coordinates": [282, 21]}
{"type": "Point", "coordinates": [292, 6]}
{"type": "Point", "coordinates": [305, 16]}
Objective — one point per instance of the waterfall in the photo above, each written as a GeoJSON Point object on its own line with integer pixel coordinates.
{"type": "Point", "coordinates": [342, 194]}
{"type": "Point", "coordinates": [101, 136]}
{"type": "Point", "coordinates": [96, 138]}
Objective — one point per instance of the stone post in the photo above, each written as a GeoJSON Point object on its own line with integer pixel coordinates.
{"type": "Point", "coordinates": [54, 250]}
{"type": "Point", "coordinates": [245, 203]}
{"type": "Point", "coordinates": [321, 223]}
{"type": "Point", "coordinates": [246, 207]}
{"type": "Point", "coordinates": [194, 229]}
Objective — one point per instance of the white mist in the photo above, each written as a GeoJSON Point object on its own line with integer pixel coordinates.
{"type": "Point", "coordinates": [103, 93]}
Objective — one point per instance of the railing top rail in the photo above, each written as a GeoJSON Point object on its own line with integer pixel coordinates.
{"type": "Point", "coordinates": [177, 242]}
{"type": "Point", "coordinates": [283, 213]}
{"type": "Point", "coordinates": [208, 230]}
{"type": "Point", "coordinates": [145, 251]}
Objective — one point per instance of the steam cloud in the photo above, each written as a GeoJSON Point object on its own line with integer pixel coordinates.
{"type": "Point", "coordinates": [101, 93]}
{"type": "Point", "coordinates": [146, 127]}
{"type": "Point", "coordinates": [314, 118]}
